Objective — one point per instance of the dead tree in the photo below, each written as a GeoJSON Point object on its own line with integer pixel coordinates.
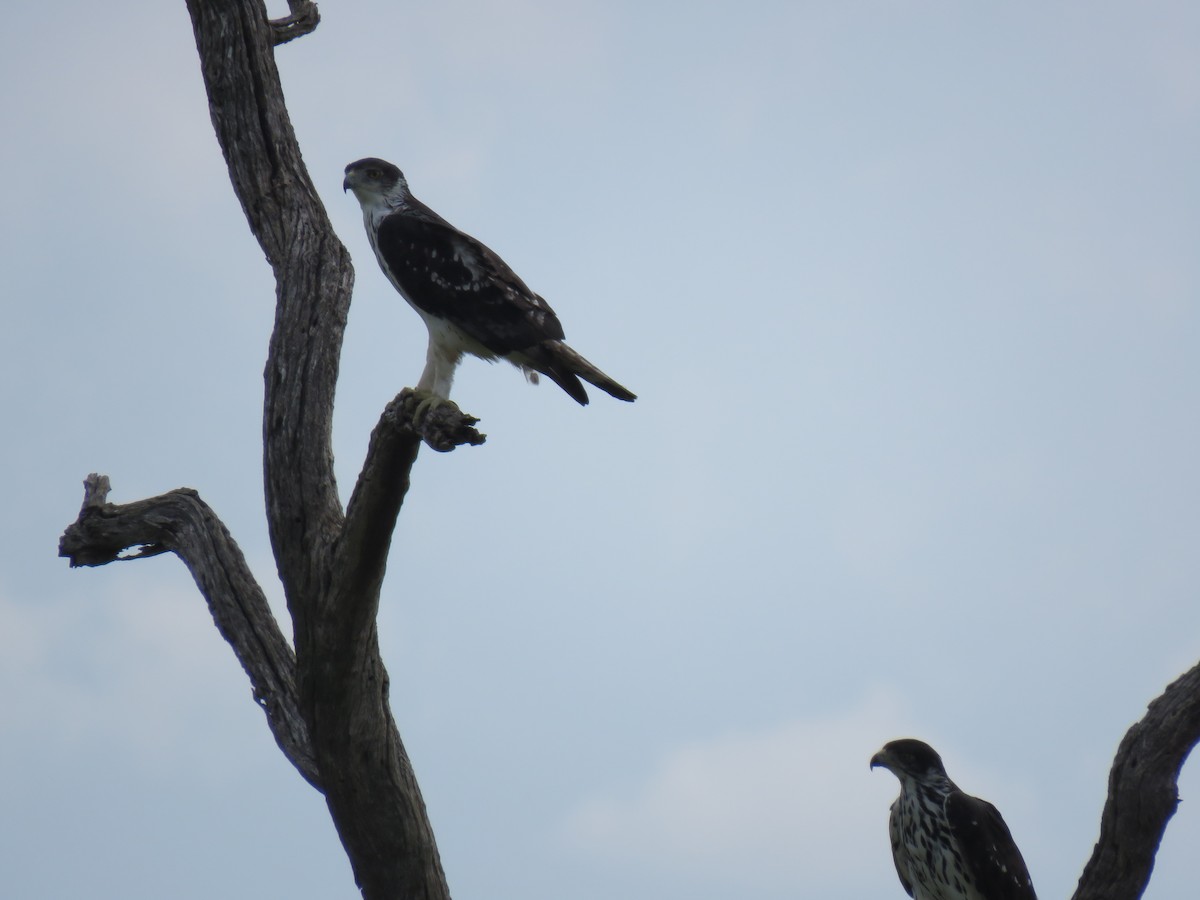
{"type": "Point", "coordinates": [325, 694]}
{"type": "Point", "coordinates": [326, 701]}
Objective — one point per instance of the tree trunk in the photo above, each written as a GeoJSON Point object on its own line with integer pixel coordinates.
{"type": "Point", "coordinates": [327, 703]}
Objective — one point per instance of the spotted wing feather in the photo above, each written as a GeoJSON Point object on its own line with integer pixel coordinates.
{"type": "Point", "coordinates": [988, 848]}
{"type": "Point", "coordinates": [452, 276]}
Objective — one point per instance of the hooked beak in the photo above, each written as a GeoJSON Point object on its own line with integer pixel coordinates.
{"type": "Point", "coordinates": [345, 184]}
{"type": "Point", "coordinates": [879, 759]}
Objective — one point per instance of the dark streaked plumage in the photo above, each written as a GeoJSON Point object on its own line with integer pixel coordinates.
{"type": "Point", "coordinates": [471, 301]}
{"type": "Point", "coordinates": [948, 845]}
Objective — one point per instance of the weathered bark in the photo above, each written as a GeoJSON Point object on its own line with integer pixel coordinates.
{"type": "Point", "coordinates": [369, 787]}
{"type": "Point", "coordinates": [303, 19]}
{"type": "Point", "coordinates": [1143, 793]}
{"type": "Point", "coordinates": [180, 522]}
{"type": "Point", "coordinates": [397, 858]}
{"type": "Point", "coordinates": [326, 702]}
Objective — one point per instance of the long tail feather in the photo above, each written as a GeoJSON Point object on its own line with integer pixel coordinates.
{"type": "Point", "coordinates": [565, 367]}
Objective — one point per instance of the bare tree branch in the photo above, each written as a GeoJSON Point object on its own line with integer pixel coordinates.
{"type": "Point", "coordinates": [303, 20]}
{"type": "Point", "coordinates": [1143, 793]}
{"type": "Point", "coordinates": [443, 427]}
{"type": "Point", "coordinates": [378, 494]}
{"type": "Point", "coordinates": [180, 522]}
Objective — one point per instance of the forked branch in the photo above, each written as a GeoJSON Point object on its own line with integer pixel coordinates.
{"type": "Point", "coordinates": [180, 522]}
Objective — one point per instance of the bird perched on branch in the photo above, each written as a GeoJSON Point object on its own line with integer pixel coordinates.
{"type": "Point", "coordinates": [471, 301]}
{"type": "Point", "coordinates": [946, 844]}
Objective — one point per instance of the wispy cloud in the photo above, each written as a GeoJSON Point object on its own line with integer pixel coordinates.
{"type": "Point", "coordinates": [786, 808]}
{"type": "Point", "coordinates": [133, 673]}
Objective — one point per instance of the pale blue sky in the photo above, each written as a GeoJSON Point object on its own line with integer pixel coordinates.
{"type": "Point", "coordinates": [911, 298]}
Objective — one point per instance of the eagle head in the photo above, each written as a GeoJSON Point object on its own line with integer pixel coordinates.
{"type": "Point", "coordinates": [376, 181]}
{"type": "Point", "coordinates": [908, 756]}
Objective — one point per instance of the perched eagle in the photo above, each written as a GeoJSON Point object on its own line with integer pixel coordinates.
{"type": "Point", "coordinates": [946, 844]}
{"type": "Point", "coordinates": [471, 301]}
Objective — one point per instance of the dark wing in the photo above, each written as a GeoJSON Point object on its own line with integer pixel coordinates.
{"type": "Point", "coordinates": [899, 854]}
{"type": "Point", "coordinates": [988, 850]}
{"type": "Point", "coordinates": [452, 276]}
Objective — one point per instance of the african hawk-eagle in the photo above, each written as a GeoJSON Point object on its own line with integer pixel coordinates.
{"type": "Point", "coordinates": [471, 301]}
{"type": "Point", "coordinates": [948, 845]}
